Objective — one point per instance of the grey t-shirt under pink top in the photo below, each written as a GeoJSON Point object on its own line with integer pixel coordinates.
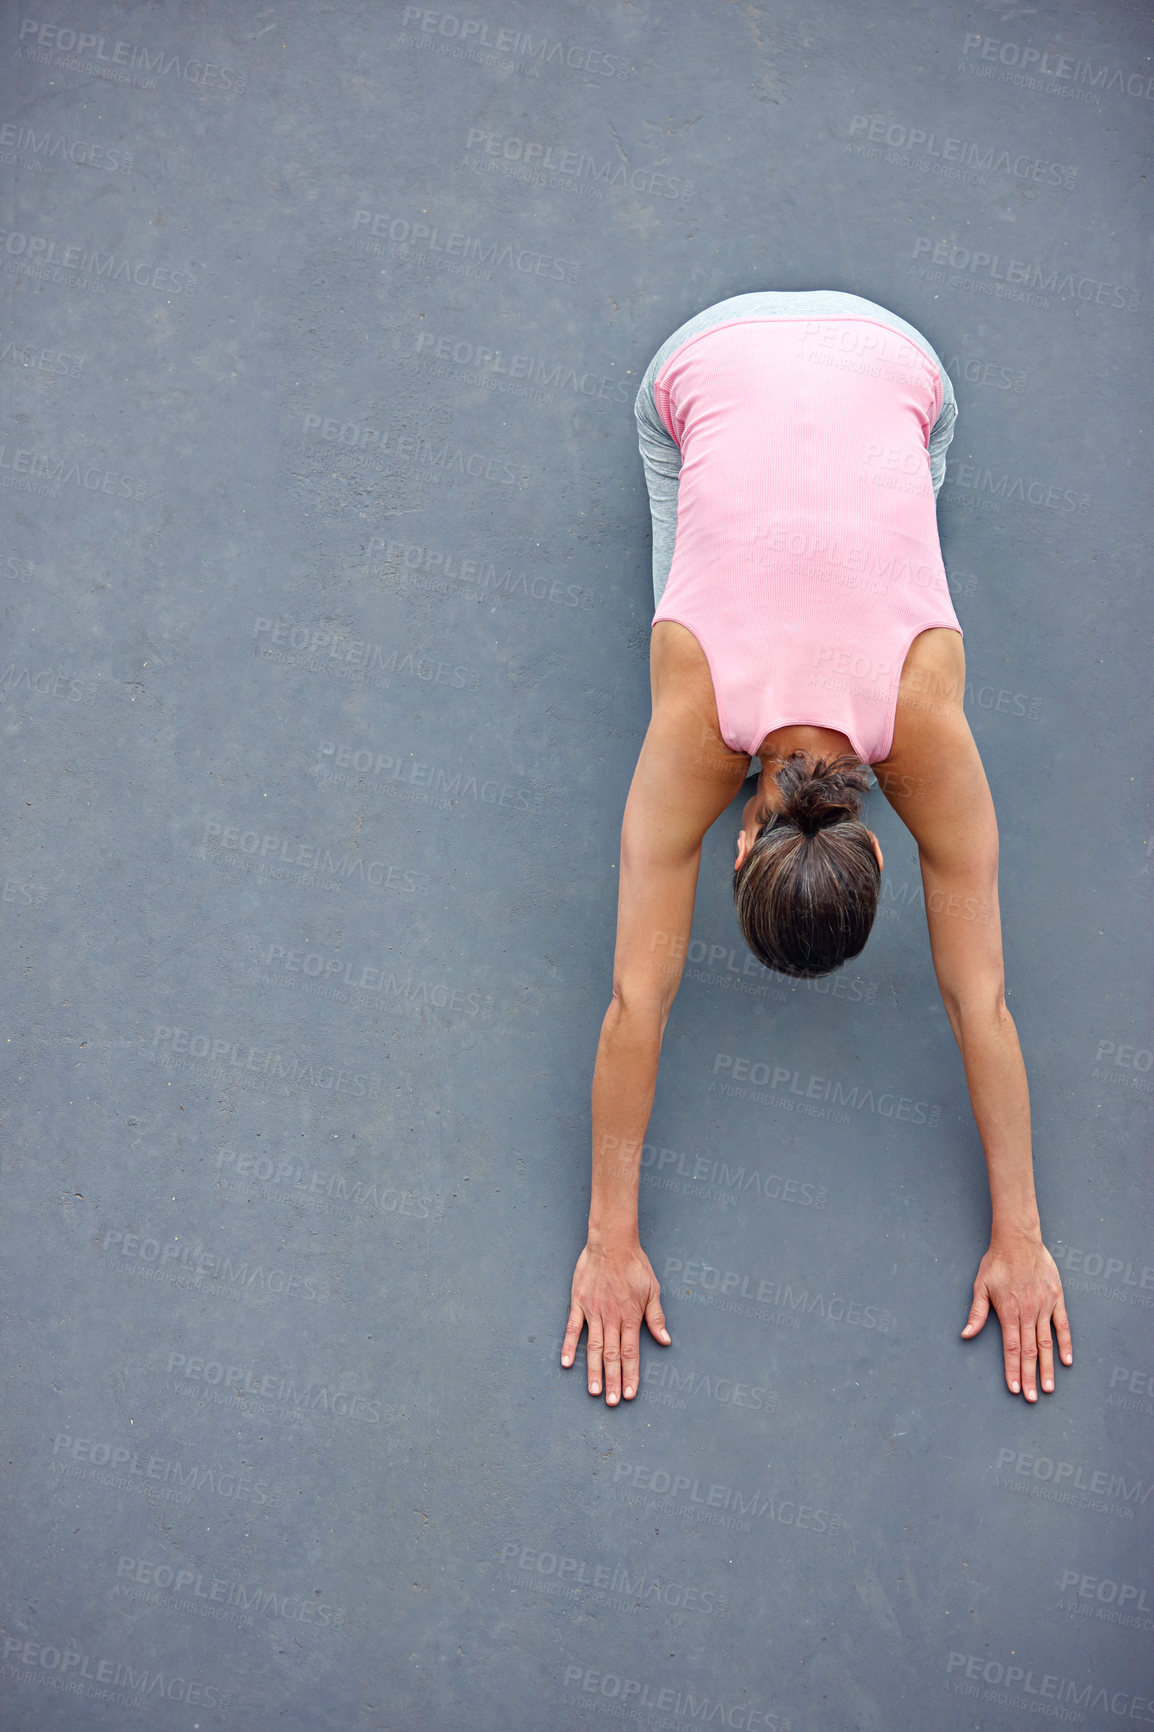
{"type": "Point", "coordinates": [805, 559]}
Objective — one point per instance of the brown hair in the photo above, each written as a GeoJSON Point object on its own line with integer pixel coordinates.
{"type": "Point", "coordinates": [807, 891]}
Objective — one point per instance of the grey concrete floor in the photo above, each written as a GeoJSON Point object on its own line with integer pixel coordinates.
{"type": "Point", "coordinates": [326, 613]}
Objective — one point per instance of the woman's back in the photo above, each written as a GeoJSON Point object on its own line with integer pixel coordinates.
{"type": "Point", "coordinates": [806, 559]}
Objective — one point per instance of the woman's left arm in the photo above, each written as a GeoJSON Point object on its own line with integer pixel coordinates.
{"type": "Point", "coordinates": [954, 825]}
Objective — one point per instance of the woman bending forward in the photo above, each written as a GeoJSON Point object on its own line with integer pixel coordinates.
{"type": "Point", "coordinates": [794, 445]}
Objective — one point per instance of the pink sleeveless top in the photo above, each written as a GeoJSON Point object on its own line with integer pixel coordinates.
{"type": "Point", "coordinates": [806, 558]}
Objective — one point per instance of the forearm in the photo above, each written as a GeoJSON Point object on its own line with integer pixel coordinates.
{"type": "Point", "coordinates": [624, 1081]}
{"type": "Point", "coordinates": [1000, 1097]}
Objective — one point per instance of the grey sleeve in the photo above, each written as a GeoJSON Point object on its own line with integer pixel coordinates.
{"type": "Point", "coordinates": [661, 460]}
{"type": "Point", "coordinates": [943, 432]}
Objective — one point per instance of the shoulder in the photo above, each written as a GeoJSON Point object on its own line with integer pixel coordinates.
{"type": "Point", "coordinates": [929, 706]}
{"type": "Point", "coordinates": [686, 774]}
{"type": "Point", "coordinates": [934, 777]}
{"type": "Point", "coordinates": [685, 703]}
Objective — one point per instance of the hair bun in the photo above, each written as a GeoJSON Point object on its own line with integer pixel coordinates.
{"type": "Point", "coordinates": [818, 792]}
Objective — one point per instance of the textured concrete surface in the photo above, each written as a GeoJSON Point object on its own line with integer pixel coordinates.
{"type": "Point", "coordinates": [326, 608]}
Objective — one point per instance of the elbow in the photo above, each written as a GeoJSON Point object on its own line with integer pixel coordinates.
{"type": "Point", "coordinates": [983, 1010]}
{"type": "Point", "coordinates": [639, 1006]}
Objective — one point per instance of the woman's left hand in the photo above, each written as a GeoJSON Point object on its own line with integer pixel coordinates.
{"type": "Point", "coordinates": [1020, 1279]}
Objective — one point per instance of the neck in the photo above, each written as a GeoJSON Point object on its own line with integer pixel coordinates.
{"type": "Point", "coordinates": [776, 748]}
{"type": "Point", "coordinates": [822, 742]}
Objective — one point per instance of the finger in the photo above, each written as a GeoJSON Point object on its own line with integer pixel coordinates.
{"type": "Point", "coordinates": [572, 1335]}
{"type": "Point", "coordinates": [611, 1354]}
{"type": "Point", "coordinates": [593, 1357]}
{"type": "Point", "coordinates": [1029, 1360]}
{"type": "Point", "coordinates": [1012, 1353]}
{"type": "Point", "coordinates": [630, 1359]}
{"type": "Point", "coordinates": [655, 1318]}
{"type": "Point", "coordinates": [1062, 1325]}
{"type": "Point", "coordinates": [979, 1311]}
{"type": "Point", "coordinates": [1045, 1354]}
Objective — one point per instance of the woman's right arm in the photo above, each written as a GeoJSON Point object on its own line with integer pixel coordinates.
{"type": "Point", "coordinates": [666, 816]}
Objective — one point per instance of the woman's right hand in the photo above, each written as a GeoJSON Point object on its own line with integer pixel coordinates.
{"type": "Point", "coordinates": [613, 1289]}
